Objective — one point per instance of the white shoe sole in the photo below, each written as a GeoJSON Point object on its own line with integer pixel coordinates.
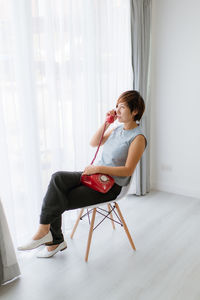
{"type": "Point", "coordinates": [47, 254]}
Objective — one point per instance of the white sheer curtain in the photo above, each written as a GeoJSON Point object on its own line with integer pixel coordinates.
{"type": "Point", "coordinates": [63, 64]}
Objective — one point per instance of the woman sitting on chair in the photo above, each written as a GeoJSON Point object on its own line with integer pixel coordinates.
{"type": "Point", "coordinates": [123, 148]}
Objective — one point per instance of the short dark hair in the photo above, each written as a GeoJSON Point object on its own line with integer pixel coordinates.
{"type": "Point", "coordinates": [134, 101]}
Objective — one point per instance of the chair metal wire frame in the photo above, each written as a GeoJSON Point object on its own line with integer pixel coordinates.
{"type": "Point", "coordinates": [105, 213]}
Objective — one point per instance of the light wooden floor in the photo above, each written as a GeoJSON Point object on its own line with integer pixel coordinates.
{"type": "Point", "coordinates": [166, 265]}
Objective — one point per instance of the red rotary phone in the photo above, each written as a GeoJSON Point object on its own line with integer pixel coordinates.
{"type": "Point", "coordinates": [110, 118]}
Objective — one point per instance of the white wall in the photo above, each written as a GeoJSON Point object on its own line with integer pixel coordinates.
{"type": "Point", "coordinates": [175, 97]}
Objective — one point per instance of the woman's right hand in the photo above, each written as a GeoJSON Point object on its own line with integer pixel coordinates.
{"type": "Point", "coordinates": [111, 113]}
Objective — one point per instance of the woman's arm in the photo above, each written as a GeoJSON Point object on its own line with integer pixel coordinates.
{"type": "Point", "coordinates": [135, 152]}
{"type": "Point", "coordinates": [97, 136]}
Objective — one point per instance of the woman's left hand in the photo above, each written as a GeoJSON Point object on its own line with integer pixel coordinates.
{"type": "Point", "coordinates": [89, 170]}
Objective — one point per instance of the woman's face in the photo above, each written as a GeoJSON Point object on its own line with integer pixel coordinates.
{"type": "Point", "coordinates": [124, 114]}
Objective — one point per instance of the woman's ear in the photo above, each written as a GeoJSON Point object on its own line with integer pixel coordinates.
{"type": "Point", "coordinates": [134, 113]}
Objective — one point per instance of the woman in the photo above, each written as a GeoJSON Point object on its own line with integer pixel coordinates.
{"type": "Point", "coordinates": [123, 148]}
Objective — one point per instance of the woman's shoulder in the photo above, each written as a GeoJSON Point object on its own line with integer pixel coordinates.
{"type": "Point", "coordinates": [138, 132]}
{"type": "Point", "coordinates": [127, 135]}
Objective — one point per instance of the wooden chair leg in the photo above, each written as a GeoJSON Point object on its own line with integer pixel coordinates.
{"type": "Point", "coordinates": [113, 224]}
{"type": "Point", "coordinates": [125, 226]}
{"type": "Point", "coordinates": [90, 234]}
{"type": "Point", "coordinates": [76, 224]}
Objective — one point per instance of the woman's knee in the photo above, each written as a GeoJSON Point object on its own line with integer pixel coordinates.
{"type": "Point", "coordinates": [56, 175]}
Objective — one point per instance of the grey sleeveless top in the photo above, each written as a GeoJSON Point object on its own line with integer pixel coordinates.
{"type": "Point", "coordinates": [115, 150]}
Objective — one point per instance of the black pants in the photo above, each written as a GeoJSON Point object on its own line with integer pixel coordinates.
{"type": "Point", "coordinates": [65, 192]}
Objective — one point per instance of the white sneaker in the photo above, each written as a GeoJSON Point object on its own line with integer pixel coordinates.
{"type": "Point", "coordinates": [32, 244]}
{"type": "Point", "coordinates": [46, 254]}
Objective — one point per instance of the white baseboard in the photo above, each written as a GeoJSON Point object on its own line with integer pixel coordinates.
{"type": "Point", "coordinates": [195, 193]}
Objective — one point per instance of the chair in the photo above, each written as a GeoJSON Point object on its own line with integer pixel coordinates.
{"type": "Point", "coordinates": [113, 207]}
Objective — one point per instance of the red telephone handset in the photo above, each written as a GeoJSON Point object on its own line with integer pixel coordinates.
{"type": "Point", "coordinates": [110, 118]}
